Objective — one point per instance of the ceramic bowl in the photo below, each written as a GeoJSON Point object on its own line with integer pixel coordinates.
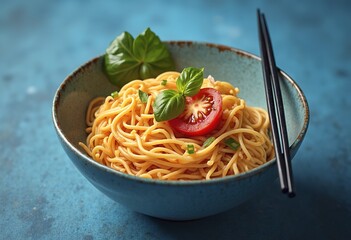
{"type": "Point", "coordinates": [177, 200]}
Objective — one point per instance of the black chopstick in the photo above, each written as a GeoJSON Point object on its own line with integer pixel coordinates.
{"type": "Point", "coordinates": [275, 107]}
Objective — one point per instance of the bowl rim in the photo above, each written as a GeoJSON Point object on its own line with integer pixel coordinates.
{"type": "Point", "coordinates": [230, 178]}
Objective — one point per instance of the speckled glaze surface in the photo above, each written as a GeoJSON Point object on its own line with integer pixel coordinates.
{"type": "Point", "coordinates": [170, 199]}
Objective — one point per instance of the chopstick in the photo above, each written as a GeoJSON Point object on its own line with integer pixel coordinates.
{"type": "Point", "coordinates": [275, 107]}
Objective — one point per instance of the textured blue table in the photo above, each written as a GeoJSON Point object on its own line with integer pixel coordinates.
{"type": "Point", "coordinates": [42, 195]}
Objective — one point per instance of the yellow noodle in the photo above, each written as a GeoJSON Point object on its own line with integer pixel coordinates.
{"type": "Point", "coordinates": [123, 135]}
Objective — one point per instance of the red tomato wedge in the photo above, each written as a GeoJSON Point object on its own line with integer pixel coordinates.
{"type": "Point", "coordinates": [202, 113]}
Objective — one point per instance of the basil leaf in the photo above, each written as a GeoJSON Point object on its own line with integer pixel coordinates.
{"type": "Point", "coordinates": [143, 96]}
{"type": "Point", "coordinates": [168, 105]}
{"type": "Point", "coordinates": [120, 61]}
{"type": "Point", "coordinates": [152, 54]}
{"type": "Point", "coordinates": [190, 81]}
{"type": "Point", "coordinates": [145, 56]}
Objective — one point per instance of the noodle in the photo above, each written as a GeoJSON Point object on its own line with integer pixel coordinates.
{"type": "Point", "coordinates": [123, 135]}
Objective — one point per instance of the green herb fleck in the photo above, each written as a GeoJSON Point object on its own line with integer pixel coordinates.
{"type": "Point", "coordinates": [190, 148]}
{"type": "Point", "coordinates": [232, 143]}
{"type": "Point", "coordinates": [143, 96]}
{"type": "Point", "coordinates": [114, 94]}
{"type": "Point", "coordinates": [164, 82]}
{"type": "Point", "coordinates": [208, 142]}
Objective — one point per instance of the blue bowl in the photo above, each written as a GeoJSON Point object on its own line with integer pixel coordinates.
{"type": "Point", "coordinates": [177, 200]}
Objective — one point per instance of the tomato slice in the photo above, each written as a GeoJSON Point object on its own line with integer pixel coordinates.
{"type": "Point", "coordinates": [202, 113]}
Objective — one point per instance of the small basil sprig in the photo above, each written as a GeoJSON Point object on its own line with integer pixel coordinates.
{"type": "Point", "coordinates": [170, 104]}
{"type": "Point", "coordinates": [128, 59]}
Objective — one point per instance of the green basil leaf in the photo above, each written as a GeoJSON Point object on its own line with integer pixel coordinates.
{"type": "Point", "coordinates": [143, 96]}
{"type": "Point", "coordinates": [145, 56]}
{"type": "Point", "coordinates": [190, 81]}
{"type": "Point", "coordinates": [168, 104]}
{"type": "Point", "coordinates": [152, 54]}
{"type": "Point", "coordinates": [120, 63]}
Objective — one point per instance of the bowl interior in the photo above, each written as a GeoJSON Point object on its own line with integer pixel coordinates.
{"type": "Point", "coordinates": [242, 69]}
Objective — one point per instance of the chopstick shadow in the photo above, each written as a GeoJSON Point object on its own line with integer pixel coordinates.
{"type": "Point", "coordinates": [272, 215]}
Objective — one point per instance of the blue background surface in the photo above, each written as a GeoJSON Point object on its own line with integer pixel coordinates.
{"type": "Point", "coordinates": [43, 196]}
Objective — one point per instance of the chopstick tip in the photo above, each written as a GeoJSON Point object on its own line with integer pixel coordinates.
{"type": "Point", "coordinates": [291, 195]}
